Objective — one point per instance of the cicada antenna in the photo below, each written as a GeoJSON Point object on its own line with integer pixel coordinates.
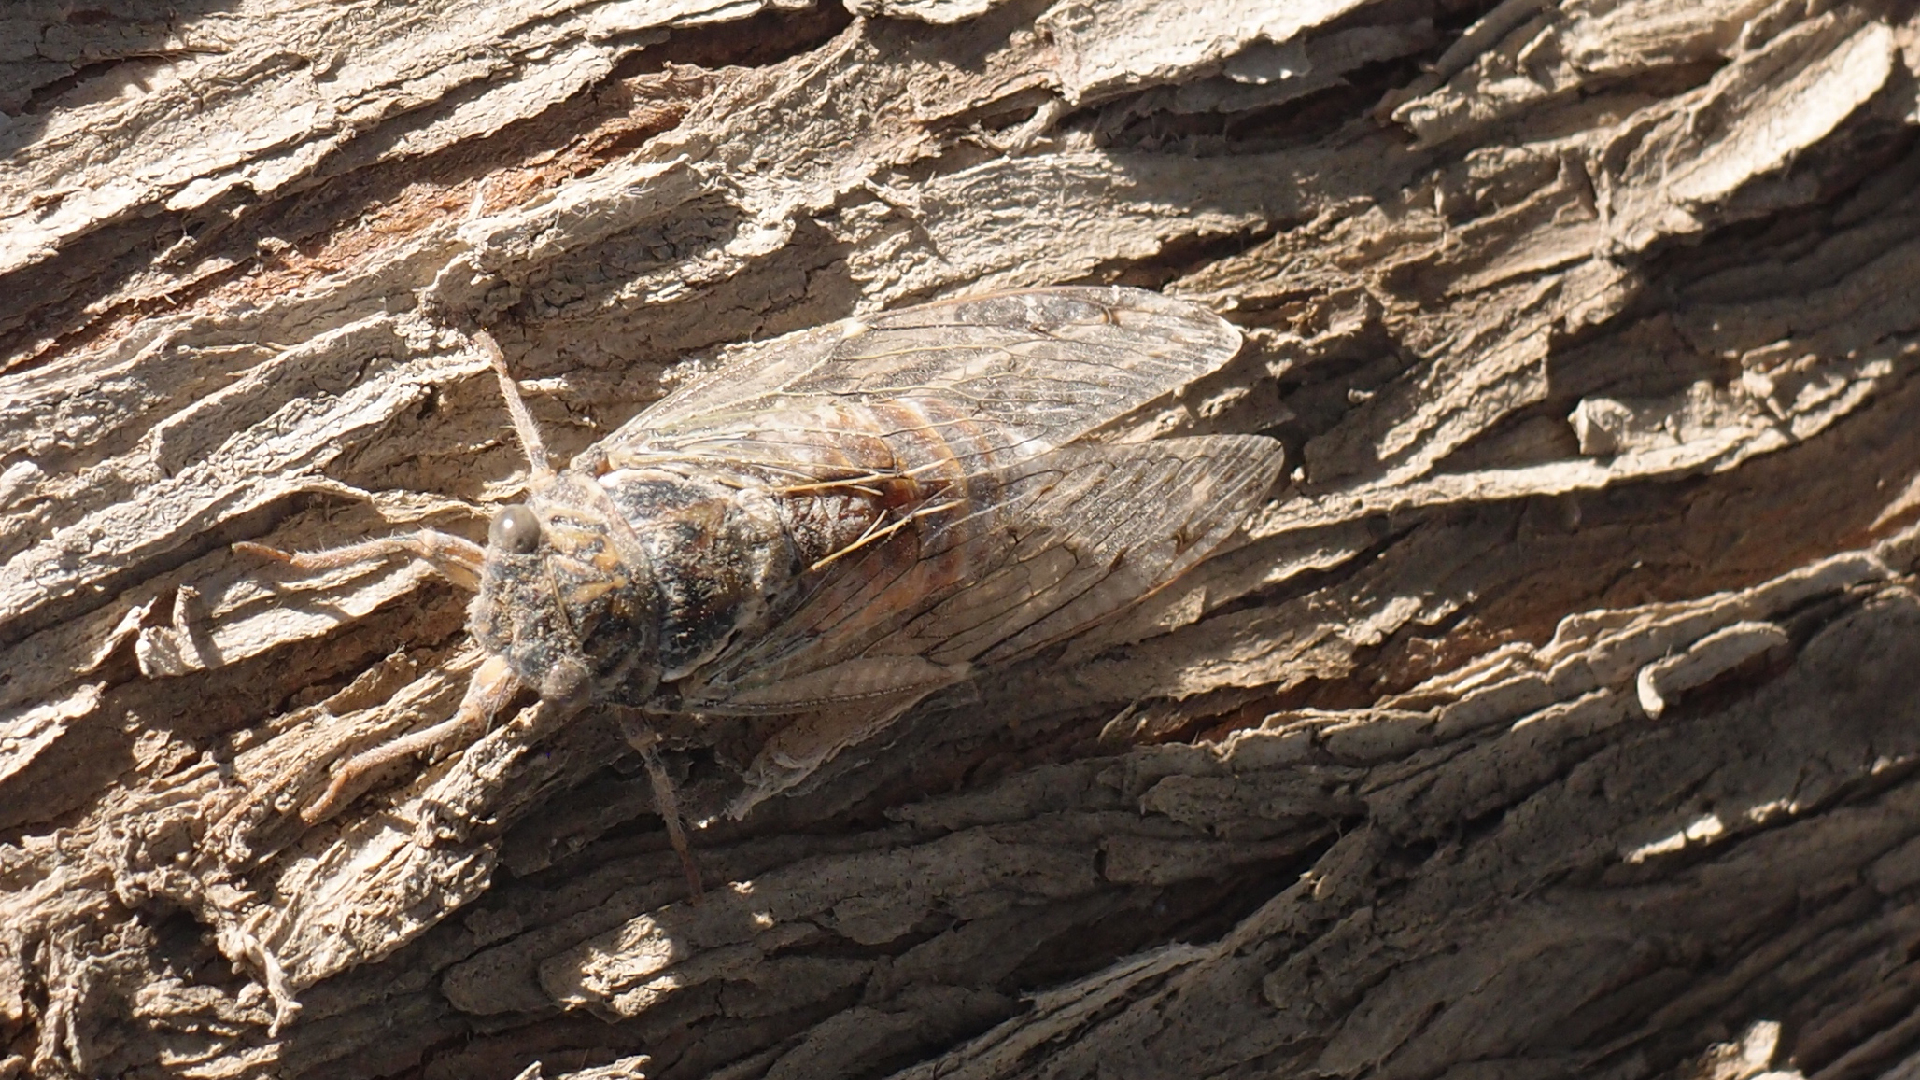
{"type": "Point", "coordinates": [530, 440]}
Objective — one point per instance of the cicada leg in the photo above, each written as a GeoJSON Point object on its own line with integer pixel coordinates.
{"type": "Point", "coordinates": [457, 559]}
{"type": "Point", "coordinates": [492, 686]}
{"type": "Point", "coordinates": [523, 425]}
{"type": "Point", "coordinates": [666, 798]}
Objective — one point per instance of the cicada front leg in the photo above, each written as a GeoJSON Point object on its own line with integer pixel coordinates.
{"type": "Point", "coordinates": [460, 561]}
{"type": "Point", "coordinates": [492, 686]}
{"type": "Point", "coordinates": [455, 558]}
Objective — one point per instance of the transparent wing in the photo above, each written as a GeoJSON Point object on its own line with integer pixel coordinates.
{"type": "Point", "coordinates": [1040, 366]}
{"type": "Point", "coordinates": [1074, 535]}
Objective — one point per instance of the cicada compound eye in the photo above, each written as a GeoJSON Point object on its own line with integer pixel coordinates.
{"type": "Point", "coordinates": [515, 530]}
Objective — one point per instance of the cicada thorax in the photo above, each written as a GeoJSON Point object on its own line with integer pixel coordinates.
{"type": "Point", "coordinates": [738, 534]}
{"type": "Point", "coordinates": [713, 551]}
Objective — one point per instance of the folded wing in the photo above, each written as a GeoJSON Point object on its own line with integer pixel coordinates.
{"type": "Point", "coordinates": [1038, 367]}
{"type": "Point", "coordinates": [1079, 533]}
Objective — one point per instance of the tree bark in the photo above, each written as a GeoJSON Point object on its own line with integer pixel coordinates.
{"type": "Point", "coordinates": [1556, 715]}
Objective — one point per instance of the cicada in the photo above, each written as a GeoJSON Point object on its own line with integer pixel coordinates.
{"type": "Point", "coordinates": [836, 524]}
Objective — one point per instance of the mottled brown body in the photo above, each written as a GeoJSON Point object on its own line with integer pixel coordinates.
{"type": "Point", "coordinates": [838, 523]}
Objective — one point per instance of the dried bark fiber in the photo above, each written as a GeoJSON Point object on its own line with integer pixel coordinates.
{"type": "Point", "coordinates": [1557, 716]}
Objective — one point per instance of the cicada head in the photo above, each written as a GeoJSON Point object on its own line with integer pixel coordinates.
{"type": "Point", "coordinates": [563, 604]}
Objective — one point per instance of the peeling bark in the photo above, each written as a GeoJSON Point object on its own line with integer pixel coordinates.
{"type": "Point", "coordinates": [1555, 716]}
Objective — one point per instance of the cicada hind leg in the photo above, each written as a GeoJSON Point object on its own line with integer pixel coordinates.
{"type": "Point", "coordinates": [666, 798]}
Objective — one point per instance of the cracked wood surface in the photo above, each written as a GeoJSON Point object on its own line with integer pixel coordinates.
{"type": "Point", "coordinates": [1555, 716]}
